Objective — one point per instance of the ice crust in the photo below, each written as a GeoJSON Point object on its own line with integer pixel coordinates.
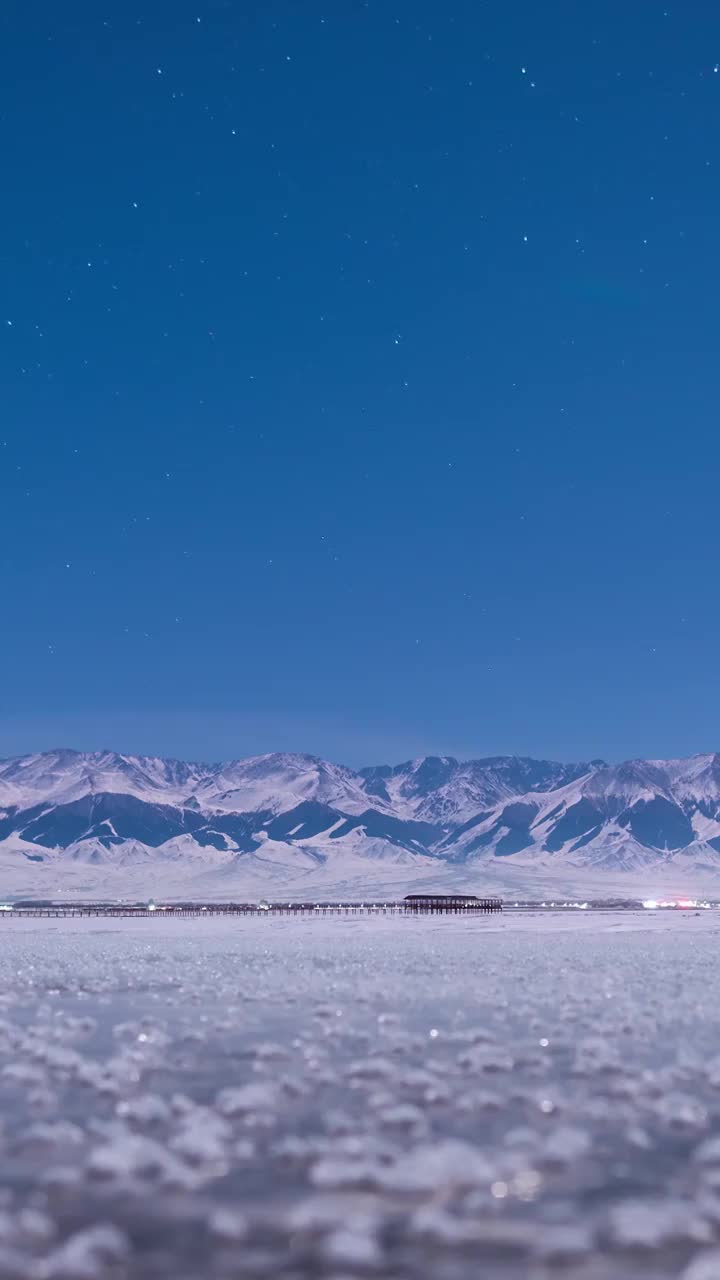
{"type": "Point", "coordinates": [440, 1098]}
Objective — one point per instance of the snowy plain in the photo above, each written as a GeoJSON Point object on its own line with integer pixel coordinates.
{"type": "Point", "coordinates": [509, 1097]}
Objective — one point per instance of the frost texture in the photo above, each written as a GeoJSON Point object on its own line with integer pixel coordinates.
{"type": "Point", "coordinates": [407, 1099]}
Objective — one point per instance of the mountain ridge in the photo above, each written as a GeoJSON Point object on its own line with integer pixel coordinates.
{"type": "Point", "coordinates": [287, 812]}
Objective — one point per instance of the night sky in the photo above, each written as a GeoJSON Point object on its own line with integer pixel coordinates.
{"type": "Point", "coordinates": [360, 377]}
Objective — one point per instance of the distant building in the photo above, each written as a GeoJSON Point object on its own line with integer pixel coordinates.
{"type": "Point", "coordinates": [451, 902]}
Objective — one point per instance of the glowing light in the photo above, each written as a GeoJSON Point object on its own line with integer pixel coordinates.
{"type": "Point", "coordinates": [650, 904]}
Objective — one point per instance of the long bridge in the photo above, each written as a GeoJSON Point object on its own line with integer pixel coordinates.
{"type": "Point", "coordinates": [413, 905]}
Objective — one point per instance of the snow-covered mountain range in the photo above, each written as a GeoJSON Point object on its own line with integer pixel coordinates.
{"type": "Point", "coordinates": [73, 818]}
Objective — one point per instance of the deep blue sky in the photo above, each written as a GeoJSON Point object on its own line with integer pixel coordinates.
{"type": "Point", "coordinates": [360, 377]}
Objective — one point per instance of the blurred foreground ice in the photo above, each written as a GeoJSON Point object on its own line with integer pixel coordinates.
{"type": "Point", "coordinates": [439, 1098]}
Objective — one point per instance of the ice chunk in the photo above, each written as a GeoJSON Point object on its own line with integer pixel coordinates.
{"type": "Point", "coordinates": [228, 1225]}
{"type": "Point", "coordinates": [248, 1098]}
{"type": "Point", "coordinates": [438, 1167]}
{"type": "Point", "coordinates": [706, 1266]}
{"type": "Point", "coordinates": [565, 1145]}
{"type": "Point", "coordinates": [652, 1225]}
{"type": "Point", "coordinates": [87, 1255]}
{"type": "Point", "coordinates": [354, 1248]}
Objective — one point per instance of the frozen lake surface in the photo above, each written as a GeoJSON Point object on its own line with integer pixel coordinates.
{"type": "Point", "coordinates": [447, 1098]}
